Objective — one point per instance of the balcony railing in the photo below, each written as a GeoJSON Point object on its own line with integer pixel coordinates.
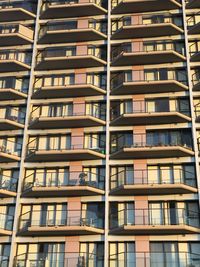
{"type": "Point", "coordinates": [27, 5]}
{"type": "Point", "coordinates": [8, 183]}
{"type": "Point", "coordinates": [155, 47]}
{"type": "Point", "coordinates": [7, 114]}
{"type": "Point", "coordinates": [141, 76]}
{"type": "Point", "coordinates": [155, 217]}
{"type": "Point", "coordinates": [73, 110]}
{"type": "Point", "coordinates": [64, 52]}
{"type": "Point", "coordinates": [12, 83]}
{"type": "Point", "coordinates": [10, 147]}
{"type": "Point", "coordinates": [72, 25]}
{"type": "Point", "coordinates": [66, 218]}
{"type": "Point", "coordinates": [193, 20]}
{"type": "Point", "coordinates": [141, 141]}
{"type": "Point", "coordinates": [194, 49]}
{"type": "Point", "coordinates": [146, 20]}
{"type": "Point", "coordinates": [72, 259]}
{"type": "Point", "coordinates": [142, 107]}
{"type": "Point", "coordinates": [155, 259]}
{"type": "Point", "coordinates": [33, 145]}
{"type": "Point", "coordinates": [147, 177]}
{"type": "Point", "coordinates": [6, 221]}
{"type": "Point", "coordinates": [63, 179]}
{"type": "Point", "coordinates": [48, 3]}
{"type": "Point", "coordinates": [196, 78]}
{"type": "Point", "coordinates": [23, 57]}
{"type": "Point", "coordinates": [117, 2]}
{"type": "Point", "coordinates": [4, 261]}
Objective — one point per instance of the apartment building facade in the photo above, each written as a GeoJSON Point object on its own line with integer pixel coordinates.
{"type": "Point", "coordinates": [99, 133]}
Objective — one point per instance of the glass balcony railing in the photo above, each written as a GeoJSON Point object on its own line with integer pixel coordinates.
{"type": "Point", "coordinates": [12, 114]}
{"type": "Point", "coordinates": [154, 217]}
{"type": "Point", "coordinates": [193, 20]}
{"type": "Point", "coordinates": [151, 177]}
{"type": "Point", "coordinates": [74, 259]}
{"type": "Point", "coordinates": [136, 107]}
{"type": "Point", "coordinates": [30, 6]}
{"type": "Point", "coordinates": [115, 3]}
{"type": "Point", "coordinates": [155, 259]}
{"type": "Point", "coordinates": [17, 84]}
{"type": "Point", "coordinates": [10, 147]}
{"type": "Point", "coordinates": [70, 52]}
{"type": "Point", "coordinates": [153, 76]}
{"type": "Point", "coordinates": [143, 140]}
{"type": "Point", "coordinates": [73, 25]}
{"type": "Point", "coordinates": [70, 110]}
{"type": "Point", "coordinates": [49, 3]}
{"type": "Point", "coordinates": [147, 48]}
{"type": "Point", "coordinates": [194, 49]}
{"type": "Point", "coordinates": [8, 183]}
{"type": "Point", "coordinates": [60, 218]}
{"type": "Point", "coordinates": [196, 78]}
{"type": "Point", "coordinates": [4, 261]}
{"type": "Point", "coordinates": [146, 20]}
{"type": "Point", "coordinates": [23, 57]}
{"type": "Point", "coordinates": [64, 179]}
{"type": "Point", "coordinates": [6, 222]}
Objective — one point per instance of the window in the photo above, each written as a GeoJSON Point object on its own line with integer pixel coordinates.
{"type": "Point", "coordinates": [122, 254]}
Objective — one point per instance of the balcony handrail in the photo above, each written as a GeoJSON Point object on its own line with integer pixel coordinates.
{"type": "Point", "coordinates": [127, 48]}
{"type": "Point", "coordinates": [142, 107]}
{"type": "Point", "coordinates": [144, 175]}
{"type": "Point", "coordinates": [191, 21]}
{"type": "Point", "coordinates": [71, 147]}
{"type": "Point", "coordinates": [96, 113]}
{"type": "Point", "coordinates": [117, 2]}
{"type": "Point", "coordinates": [29, 5]}
{"type": "Point", "coordinates": [74, 82]}
{"type": "Point", "coordinates": [80, 180]}
{"type": "Point", "coordinates": [196, 77]}
{"type": "Point", "coordinates": [44, 53]}
{"type": "Point", "coordinates": [10, 116]}
{"type": "Point", "coordinates": [13, 54]}
{"type": "Point", "coordinates": [161, 216]}
{"type": "Point", "coordinates": [61, 26]}
{"type": "Point", "coordinates": [196, 50]}
{"type": "Point", "coordinates": [119, 78]}
{"type": "Point", "coordinates": [5, 149]}
{"type": "Point", "coordinates": [8, 183]}
{"type": "Point", "coordinates": [144, 143]}
{"type": "Point", "coordinates": [14, 79]}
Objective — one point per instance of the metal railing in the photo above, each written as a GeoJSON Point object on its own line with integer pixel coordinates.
{"type": "Point", "coordinates": [39, 218]}
{"type": "Point", "coordinates": [194, 48]}
{"type": "Point", "coordinates": [154, 47]}
{"type": "Point", "coordinates": [115, 3]}
{"type": "Point", "coordinates": [142, 140]}
{"type": "Point", "coordinates": [63, 179]}
{"type": "Point", "coordinates": [151, 177]}
{"type": "Point", "coordinates": [6, 221]}
{"type": "Point", "coordinates": [193, 20]}
{"type": "Point", "coordinates": [155, 217]}
{"type": "Point", "coordinates": [10, 147]}
{"type": "Point", "coordinates": [4, 261]}
{"type": "Point", "coordinates": [6, 113]}
{"type": "Point", "coordinates": [160, 19]}
{"type": "Point", "coordinates": [11, 83]}
{"type": "Point", "coordinates": [70, 51]}
{"type": "Point", "coordinates": [141, 76]}
{"type": "Point", "coordinates": [62, 259]}
{"type": "Point", "coordinates": [33, 145]}
{"type": "Point", "coordinates": [155, 259]}
{"type": "Point", "coordinates": [29, 5]}
{"type": "Point", "coordinates": [72, 25]}
{"type": "Point", "coordinates": [8, 183]}
{"type": "Point", "coordinates": [95, 80]}
{"type": "Point", "coordinates": [69, 110]}
{"type": "Point", "coordinates": [23, 57]}
{"type": "Point", "coordinates": [141, 106]}
{"type": "Point", "coordinates": [196, 78]}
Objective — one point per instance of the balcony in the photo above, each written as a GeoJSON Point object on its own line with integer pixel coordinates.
{"type": "Point", "coordinates": [194, 24]}
{"type": "Point", "coordinates": [14, 61]}
{"type": "Point", "coordinates": [126, 55]}
{"type": "Point", "coordinates": [154, 222]}
{"type": "Point", "coordinates": [148, 27]}
{"type": "Point", "coordinates": [9, 89]}
{"type": "Point", "coordinates": [133, 6]}
{"type": "Point", "coordinates": [195, 52]}
{"type": "Point", "coordinates": [60, 59]}
{"type": "Point", "coordinates": [74, 88]}
{"type": "Point", "coordinates": [140, 84]}
{"type": "Point", "coordinates": [192, 4]}
{"type": "Point", "coordinates": [139, 113]}
{"type": "Point", "coordinates": [8, 187]}
{"type": "Point", "coordinates": [65, 184]}
{"type": "Point", "coordinates": [154, 259]}
{"type": "Point", "coordinates": [73, 223]}
{"type": "Point", "coordinates": [10, 151]}
{"type": "Point", "coordinates": [71, 259]}
{"type": "Point", "coordinates": [71, 116]}
{"type": "Point", "coordinates": [4, 260]}
{"type": "Point", "coordinates": [80, 151]}
{"type": "Point", "coordinates": [6, 224]}
{"type": "Point", "coordinates": [196, 81]}
{"type": "Point", "coordinates": [15, 35]}
{"type": "Point", "coordinates": [141, 148]}
{"type": "Point", "coordinates": [11, 119]}
{"type": "Point", "coordinates": [17, 10]}
{"type": "Point", "coordinates": [145, 182]}
{"type": "Point", "coordinates": [72, 31]}
{"type": "Point", "coordinates": [74, 8]}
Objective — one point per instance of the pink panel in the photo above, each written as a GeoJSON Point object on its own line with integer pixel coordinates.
{"type": "Point", "coordinates": [142, 249]}
{"type": "Point", "coordinates": [136, 20]}
{"type": "Point", "coordinates": [137, 46]}
{"type": "Point", "coordinates": [138, 106]}
{"type": "Point", "coordinates": [83, 23]}
{"type": "Point", "coordinates": [141, 210]}
{"type": "Point", "coordinates": [72, 244]}
{"type": "Point", "coordinates": [81, 50]}
{"type": "Point", "coordinates": [140, 171]}
{"type": "Point", "coordinates": [74, 211]}
{"type": "Point", "coordinates": [138, 75]}
{"type": "Point", "coordinates": [75, 169]}
{"type": "Point", "coordinates": [77, 142]}
{"type": "Point", "coordinates": [80, 78]}
{"type": "Point", "coordinates": [84, 1]}
{"type": "Point", "coordinates": [78, 108]}
{"type": "Point", "coordinates": [139, 135]}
